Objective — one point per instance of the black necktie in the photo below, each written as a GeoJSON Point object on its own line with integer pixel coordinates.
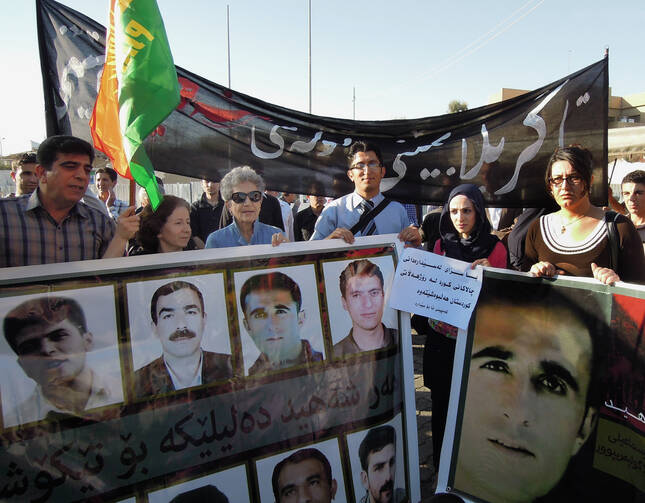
{"type": "Point", "coordinates": [366, 207]}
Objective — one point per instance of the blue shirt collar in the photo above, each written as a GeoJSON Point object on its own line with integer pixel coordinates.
{"type": "Point", "coordinates": [356, 199]}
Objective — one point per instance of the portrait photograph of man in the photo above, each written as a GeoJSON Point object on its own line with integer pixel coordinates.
{"type": "Point", "coordinates": [183, 340]}
{"type": "Point", "coordinates": [357, 293]}
{"type": "Point", "coordinates": [226, 486]}
{"type": "Point", "coordinates": [59, 356]}
{"type": "Point", "coordinates": [533, 390]}
{"type": "Point", "coordinates": [312, 473]}
{"type": "Point", "coordinates": [376, 456]}
{"type": "Point", "coordinates": [279, 318]}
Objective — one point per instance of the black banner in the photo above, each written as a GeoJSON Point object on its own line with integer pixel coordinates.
{"type": "Point", "coordinates": [502, 147]}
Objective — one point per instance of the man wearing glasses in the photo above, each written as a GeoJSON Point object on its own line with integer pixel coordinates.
{"type": "Point", "coordinates": [366, 170]}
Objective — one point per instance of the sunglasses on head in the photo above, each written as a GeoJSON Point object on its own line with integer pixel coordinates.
{"type": "Point", "coordinates": [240, 197]}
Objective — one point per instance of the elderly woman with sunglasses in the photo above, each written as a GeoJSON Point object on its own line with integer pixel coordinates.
{"type": "Point", "coordinates": [575, 239]}
{"type": "Point", "coordinates": [242, 189]}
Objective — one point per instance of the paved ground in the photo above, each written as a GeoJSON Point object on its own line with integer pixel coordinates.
{"type": "Point", "coordinates": [424, 419]}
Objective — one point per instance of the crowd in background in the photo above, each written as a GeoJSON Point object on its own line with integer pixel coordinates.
{"type": "Point", "coordinates": [238, 210]}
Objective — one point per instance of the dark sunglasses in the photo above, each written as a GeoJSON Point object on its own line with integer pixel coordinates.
{"type": "Point", "coordinates": [240, 197]}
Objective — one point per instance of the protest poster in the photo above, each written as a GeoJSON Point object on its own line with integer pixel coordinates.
{"type": "Point", "coordinates": [437, 287]}
{"type": "Point", "coordinates": [211, 374]}
{"type": "Point", "coordinates": [548, 394]}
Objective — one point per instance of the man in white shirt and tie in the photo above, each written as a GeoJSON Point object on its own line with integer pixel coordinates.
{"type": "Point", "coordinates": [366, 170]}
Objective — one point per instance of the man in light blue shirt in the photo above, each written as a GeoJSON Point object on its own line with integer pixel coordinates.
{"type": "Point", "coordinates": [366, 170]}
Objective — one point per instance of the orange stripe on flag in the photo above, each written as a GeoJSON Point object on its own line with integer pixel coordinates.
{"type": "Point", "coordinates": [105, 124]}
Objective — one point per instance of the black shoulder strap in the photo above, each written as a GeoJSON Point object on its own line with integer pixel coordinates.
{"type": "Point", "coordinates": [368, 216]}
{"type": "Point", "coordinates": [613, 237]}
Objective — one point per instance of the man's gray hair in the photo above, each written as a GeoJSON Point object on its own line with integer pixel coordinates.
{"type": "Point", "coordinates": [236, 176]}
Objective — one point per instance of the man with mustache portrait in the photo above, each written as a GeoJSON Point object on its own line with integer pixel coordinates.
{"type": "Point", "coordinates": [377, 453]}
{"type": "Point", "coordinates": [178, 320]}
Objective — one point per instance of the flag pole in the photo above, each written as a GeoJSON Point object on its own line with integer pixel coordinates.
{"type": "Point", "coordinates": [354, 103]}
{"type": "Point", "coordinates": [309, 56]}
{"type": "Point", "coordinates": [228, 43]}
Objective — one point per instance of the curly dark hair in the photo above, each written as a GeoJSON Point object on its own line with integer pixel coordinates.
{"type": "Point", "coordinates": [152, 221]}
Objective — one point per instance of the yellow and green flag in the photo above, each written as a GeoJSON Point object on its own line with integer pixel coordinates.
{"type": "Point", "coordinates": [139, 89]}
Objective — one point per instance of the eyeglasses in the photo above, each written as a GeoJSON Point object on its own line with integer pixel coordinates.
{"type": "Point", "coordinates": [240, 197]}
{"type": "Point", "coordinates": [370, 165]}
{"type": "Point", "coordinates": [558, 181]}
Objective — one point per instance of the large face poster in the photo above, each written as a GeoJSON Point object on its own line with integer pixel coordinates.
{"type": "Point", "coordinates": [221, 375]}
{"type": "Point", "coordinates": [549, 394]}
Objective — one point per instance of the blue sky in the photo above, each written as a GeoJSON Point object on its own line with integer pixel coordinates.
{"type": "Point", "coordinates": [406, 58]}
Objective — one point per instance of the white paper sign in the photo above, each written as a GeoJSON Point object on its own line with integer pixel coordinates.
{"type": "Point", "coordinates": [435, 286]}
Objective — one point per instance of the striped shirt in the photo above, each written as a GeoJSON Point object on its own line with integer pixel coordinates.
{"type": "Point", "coordinates": [30, 236]}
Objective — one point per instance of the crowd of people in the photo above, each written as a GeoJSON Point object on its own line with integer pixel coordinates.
{"type": "Point", "coordinates": [53, 217]}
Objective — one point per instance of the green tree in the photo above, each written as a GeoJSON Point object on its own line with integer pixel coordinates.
{"type": "Point", "coordinates": [457, 106]}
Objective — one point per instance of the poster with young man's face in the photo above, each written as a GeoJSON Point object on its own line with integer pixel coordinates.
{"type": "Point", "coordinates": [58, 354]}
{"type": "Point", "coordinates": [362, 305]}
{"type": "Point", "coordinates": [279, 318]}
{"type": "Point", "coordinates": [531, 395]}
{"type": "Point", "coordinates": [376, 456]}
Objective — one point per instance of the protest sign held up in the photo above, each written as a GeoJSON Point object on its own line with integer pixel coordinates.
{"type": "Point", "coordinates": [163, 378]}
